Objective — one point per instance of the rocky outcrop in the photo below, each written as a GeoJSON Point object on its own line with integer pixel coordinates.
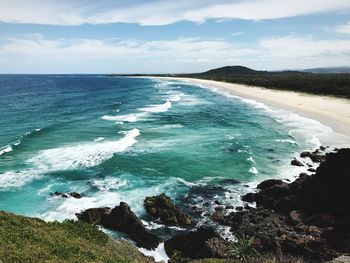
{"type": "Point", "coordinates": [94, 216]}
{"type": "Point", "coordinates": [161, 207]}
{"type": "Point", "coordinates": [296, 162]}
{"type": "Point", "coordinates": [122, 219]}
{"type": "Point", "coordinates": [67, 195]}
{"type": "Point", "coordinates": [316, 156]}
{"type": "Point", "coordinates": [309, 217]}
{"type": "Point", "coordinates": [202, 243]}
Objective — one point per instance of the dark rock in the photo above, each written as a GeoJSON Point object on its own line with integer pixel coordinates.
{"type": "Point", "coordinates": [202, 243]}
{"type": "Point", "coordinates": [295, 217]}
{"type": "Point", "coordinates": [219, 208]}
{"type": "Point", "coordinates": [305, 154]}
{"type": "Point", "coordinates": [311, 170]}
{"type": "Point", "coordinates": [315, 156]}
{"type": "Point", "coordinates": [162, 207]}
{"type": "Point", "coordinates": [217, 202]}
{"type": "Point", "coordinates": [67, 195]}
{"type": "Point", "coordinates": [229, 207]}
{"type": "Point", "coordinates": [218, 216]}
{"type": "Point", "coordinates": [94, 216]}
{"type": "Point", "coordinates": [239, 208]}
{"type": "Point", "coordinates": [309, 217]}
{"type": "Point", "coordinates": [249, 197]}
{"type": "Point", "coordinates": [121, 218]}
{"type": "Point", "coordinates": [269, 183]}
{"type": "Point", "coordinates": [296, 162]}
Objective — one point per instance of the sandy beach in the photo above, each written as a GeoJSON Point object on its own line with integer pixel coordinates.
{"type": "Point", "coordinates": [332, 112]}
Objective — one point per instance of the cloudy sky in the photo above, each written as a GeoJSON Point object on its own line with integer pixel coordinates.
{"type": "Point", "coordinates": [171, 36]}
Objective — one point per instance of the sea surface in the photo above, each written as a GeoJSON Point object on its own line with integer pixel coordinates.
{"type": "Point", "coordinates": [119, 139]}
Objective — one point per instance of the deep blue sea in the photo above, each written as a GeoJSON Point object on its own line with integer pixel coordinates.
{"type": "Point", "coordinates": [121, 139]}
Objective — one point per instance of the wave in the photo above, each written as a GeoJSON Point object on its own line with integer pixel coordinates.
{"type": "Point", "coordinates": [132, 117]}
{"type": "Point", "coordinates": [85, 155]}
{"type": "Point", "coordinates": [5, 149]}
{"type": "Point", "coordinates": [167, 126]}
{"type": "Point", "coordinates": [253, 170]}
{"type": "Point", "coordinates": [290, 141]}
{"type": "Point", "coordinates": [99, 139]}
{"type": "Point", "coordinates": [13, 179]}
{"type": "Point", "coordinates": [157, 107]}
{"type": "Point", "coordinates": [108, 183]}
{"type": "Point", "coordinates": [142, 115]}
{"type": "Point", "coordinates": [317, 133]}
{"type": "Point", "coordinates": [158, 254]}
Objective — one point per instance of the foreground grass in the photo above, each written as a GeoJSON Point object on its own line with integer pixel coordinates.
{"type": "Point", "coordinates": [258, 259]}
{"type": "Point", "coordinates": [24, 239]}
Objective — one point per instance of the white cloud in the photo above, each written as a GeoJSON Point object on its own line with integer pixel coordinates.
{"type": "Point", "coordinates": [344, 29]}
{"type": "Point", "coordinates": [157, 12]}
{"type": "Point", "coordinates": [303, 52]}
{"type": "Point", "coordinates": [36, 54]}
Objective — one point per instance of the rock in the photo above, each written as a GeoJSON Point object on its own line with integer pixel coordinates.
{"type": "Point", "coordinates": [217, 202]}
{"type": "Point", "coordinates": [67, 195]}
{"type": "Point", "coordinates": [202, 243]}
{"type": "Point", "coordinates": [249, 197]}
{"type": "Point", "coordinates": [219, 208]}
{"type": "Point", "coordinates": [305, 154]}
{"type": "Point", "coordinates": [229, 207]}
{"type": "Point", "coordinates": [122, 219]}
{"type": "Point", "coordinates": [269, 183]}
{"type": "Point", "coordinates": [315, 156]}
{"type": "Point", "coordinates": [217, 247]}
{"type": "Point", "coordinates": [296, 162]}
{"type": "Point", "coordinates": [311, 170]}
{"type": "Point", "coordinates": [308, 217]}
{"type": "Point", "coordinates": [218, 216]}
{"type": "Point", "coordinates": [239, 208]}
{"type": "Point", "coordinates": [162, 207]}
{"type": "Point", "coordinates": [94, 216]}
{"type": "Point", "coordinates": [341, 259]}
{"type": "Point", "coordinates": [295, 217]}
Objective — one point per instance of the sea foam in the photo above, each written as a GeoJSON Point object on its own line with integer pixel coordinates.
{"type": "Point", "coordinates": [5, 149]}
{"type": "Point", "coordinates": [83, 155]}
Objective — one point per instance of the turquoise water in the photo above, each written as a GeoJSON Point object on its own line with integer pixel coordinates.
{"type": "Point", "coordinates": [122, 139]}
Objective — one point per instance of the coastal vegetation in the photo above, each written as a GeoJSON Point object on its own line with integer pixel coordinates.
{"type": "Point", "coordinates": [25, 239]}
{"type": "Point", "coordinates": [329, 84]}
{"type": "Point", "coordinates": [321, 84]}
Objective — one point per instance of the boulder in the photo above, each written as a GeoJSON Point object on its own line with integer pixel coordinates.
{"type": "Point", "coordinates": [296, 162]}
{"type": "Point", "coordinates": [249, 197]}
{"type": "Point", "coordinates": [94, 216]}
{"type": "Point", "coordinates": [162, 207]}
{"type": "Point", "coordinates": [202, 243]}
{"type": "Point", "coordinates": [269, 183]}
{"type": "Point", "coordinates": [122, 219]}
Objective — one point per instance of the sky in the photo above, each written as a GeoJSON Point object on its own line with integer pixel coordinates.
{"type": "Point", "coordinates": [171, 36]}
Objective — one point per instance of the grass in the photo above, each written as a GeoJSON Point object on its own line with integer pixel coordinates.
{"type": "Point", "coordinates": [243, 249]}
{"type": "Point", "coordinates": [257, 259]}
{"type": "Point", "coordinates": [24, 239]}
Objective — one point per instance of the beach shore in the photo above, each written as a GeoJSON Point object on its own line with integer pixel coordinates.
{"type": "Point", "coordinates": [330, 111]}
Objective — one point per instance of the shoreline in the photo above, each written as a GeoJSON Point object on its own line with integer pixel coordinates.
{"type": "Point", "coordinates": [329, 111]}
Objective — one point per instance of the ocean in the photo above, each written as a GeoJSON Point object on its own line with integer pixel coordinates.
{"type": "Point", "coordinates": [119, 139]}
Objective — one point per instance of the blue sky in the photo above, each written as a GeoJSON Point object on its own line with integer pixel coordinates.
{"type": "Point", "coordinates": [171, 36]}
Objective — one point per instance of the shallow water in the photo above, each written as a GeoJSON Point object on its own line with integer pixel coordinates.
{"type": "Point", "coordinates": [122, 139]}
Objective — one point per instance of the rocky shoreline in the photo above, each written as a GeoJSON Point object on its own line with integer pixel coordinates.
{"type": "Point", "coordinates": [308, 218]}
